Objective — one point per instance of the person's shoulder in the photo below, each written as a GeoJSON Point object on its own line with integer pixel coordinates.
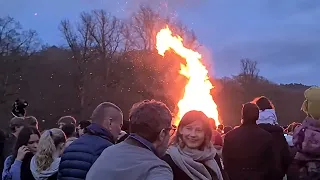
{"type": "Point", "coordinates": [121, 149]}
{"type": "Point", "coordinates": [91, 140]}
{"type": "Point", "coordinates": [161, 168]}
{"type": "Point", "coordinates": [8, 159]}
{"type": "Point", "coordinates": [138, 152]}
{"type": "Point", "coordinates": [264, 134]}
{"type": "Point", "coordinates": [118, 147]}
{"type": "Point", "coordinates": [263, 131]}
{"type": "Point", "coordinates": [232, 133]}
{"type": "Point", "coordinates": [84, 144]}
{"type": "Point", "coordinates": [160, 172]}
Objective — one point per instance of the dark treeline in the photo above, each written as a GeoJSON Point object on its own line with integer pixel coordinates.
{"type": "Point", "coordinates": [111, 59]}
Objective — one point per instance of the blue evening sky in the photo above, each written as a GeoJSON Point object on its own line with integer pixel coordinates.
{"type": "Point", "coordinates": [282, 35]}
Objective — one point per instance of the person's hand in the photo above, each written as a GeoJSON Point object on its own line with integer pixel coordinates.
{"type": "Point", "coordinates": [22, 151]}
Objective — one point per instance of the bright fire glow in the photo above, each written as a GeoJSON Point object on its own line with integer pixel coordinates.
{"type": "Point", "coordinates": [197, 91]}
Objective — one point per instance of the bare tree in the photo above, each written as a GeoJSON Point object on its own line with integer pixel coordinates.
{"type": "Point", "coordinates": [94, 42]}
{"type": "Point", "coordinates": [140, 31]}
{"type": "Point", "coordinates": [249, 68]}
{"type": "Point", "coordinates": [16, 41]}
{"type": "Point", "coordinates": [79, 42]}
{"type": "Point", "coordinates": [106, 34]}
{"type": "Point", "coordinates": [249, 73]}
{"type": "Point", "coordinates": [16, 47]}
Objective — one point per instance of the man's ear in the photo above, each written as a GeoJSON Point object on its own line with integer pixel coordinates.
{"type": "Point", "coordinates": [109, 120]}
{"type": "Point", "coordinates": [162, 135]}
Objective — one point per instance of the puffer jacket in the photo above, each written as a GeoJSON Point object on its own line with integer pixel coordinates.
{"type": "Point", "coordinates": [78, 158]}
{"type": "Point", "coordinates": [280, 149]}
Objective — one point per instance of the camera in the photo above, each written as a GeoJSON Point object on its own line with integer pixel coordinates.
{"type": "Point", "coordinates": [19, 108]}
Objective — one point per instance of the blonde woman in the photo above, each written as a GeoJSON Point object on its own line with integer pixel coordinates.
{"type": "Point", "coordinates": [45, 164]}
{"type": "Point", "coordinates": [191, 155]}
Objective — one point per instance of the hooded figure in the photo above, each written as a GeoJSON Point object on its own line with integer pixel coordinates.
{"type": "Point", "coordinates": [306, 137]}
{"type": "Point", "coordinates": [268, 121]}
{"type": "Point", "coordinates": [311, 106]}
{"type": "Point", "coordinates": [267, 113]}
{"type": "Point", "coordinates": [267, 116]}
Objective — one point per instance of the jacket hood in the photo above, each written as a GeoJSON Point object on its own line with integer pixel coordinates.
{"type": "Point", "coordinates": [43, 175]}
{"type": "Point", "coordinates": [271, 128]}
{"type": "Point", "coordinates": [268, 116]}
{"type": "Point", "coordinates": [97, 130]}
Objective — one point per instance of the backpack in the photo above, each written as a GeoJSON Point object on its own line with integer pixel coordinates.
{"type": "Point", "coordinates": [306, 137]}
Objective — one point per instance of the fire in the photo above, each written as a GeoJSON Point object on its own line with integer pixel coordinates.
{"type": "Point", "coordinates": [197, 91]}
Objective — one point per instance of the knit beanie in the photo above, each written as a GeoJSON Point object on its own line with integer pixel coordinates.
{"type": "Point", "coordinates": [311, 106]}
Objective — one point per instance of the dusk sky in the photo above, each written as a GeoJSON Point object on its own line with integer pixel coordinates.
{"type": "Point", "coordinates": [282, 35]}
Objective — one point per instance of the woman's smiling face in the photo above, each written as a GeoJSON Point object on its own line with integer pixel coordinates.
{"type": "Point", "coordinates": [193, 134]}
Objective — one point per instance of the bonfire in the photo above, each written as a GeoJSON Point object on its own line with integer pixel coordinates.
{"type": "Point", "coordinates": [197, 90]}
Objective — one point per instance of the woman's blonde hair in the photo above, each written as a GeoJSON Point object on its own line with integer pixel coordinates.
{"type": "Point", "coordinates": [48, 144]}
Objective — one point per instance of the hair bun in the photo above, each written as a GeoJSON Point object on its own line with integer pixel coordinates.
{"type": "Point", "coordinates": [18, 108]}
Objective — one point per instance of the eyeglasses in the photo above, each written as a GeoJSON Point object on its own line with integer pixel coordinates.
{"type": "Point", "coordinates": [171, 130]}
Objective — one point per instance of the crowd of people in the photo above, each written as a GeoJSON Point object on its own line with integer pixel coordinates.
{"type": "Point", "coordinates": [154, 149]}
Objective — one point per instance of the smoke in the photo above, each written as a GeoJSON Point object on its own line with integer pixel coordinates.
{"type": "Point", "coordinates": [165, 7]}
{"type": "Point", "coordinates": [167, 3]}
{"type": "Point", "coordinates": [207, 59]}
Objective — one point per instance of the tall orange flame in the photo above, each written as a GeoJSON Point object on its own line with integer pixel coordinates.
{"type": "Point", "coordinates": [197, 91]}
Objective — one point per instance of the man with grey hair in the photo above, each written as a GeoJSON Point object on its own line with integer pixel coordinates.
{"type": "Point", "coordinates": [79, 156]}
{"type": "Point", "coordinates": [138, 157]}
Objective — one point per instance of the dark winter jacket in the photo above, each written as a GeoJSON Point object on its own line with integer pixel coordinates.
{"type": "Point", "coordinates": [78, 158]}
{"type": "Point", "coordinates": [281, 150]}
{"type": "Point", "coordinates": [247, 153]}
{"type": "Point", "coordinates": [293, 169]}
{"type": "Point", "coordinates": [2, 140]}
